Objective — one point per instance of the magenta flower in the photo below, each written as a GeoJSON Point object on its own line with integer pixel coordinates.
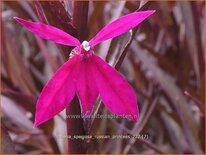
{"type": "Point", "coordinates": [85, 73]}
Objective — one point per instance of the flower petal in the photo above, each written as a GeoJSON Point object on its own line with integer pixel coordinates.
{"type": "Point", "coordinates": [49, 32]}
{"type": "Point", "coordinates": [85, 87]}
{"type": "Point", "coordinates": [120, 26]}
{"type": "Point", "coordinates": [116, 93]}
{"type": "Point", "coordinates": [58, 92]}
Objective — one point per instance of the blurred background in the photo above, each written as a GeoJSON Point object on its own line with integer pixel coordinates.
{"type": "Point", "coordinates": [163, 59]}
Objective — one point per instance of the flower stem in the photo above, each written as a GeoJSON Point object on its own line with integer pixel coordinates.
{"type": "Point", "coordinates": [75, 126]}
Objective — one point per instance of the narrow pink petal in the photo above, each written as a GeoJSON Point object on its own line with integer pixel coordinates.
{"type": "Point", "coordinates": [58, 92]}
{"type": "Point", "coordinates": [120, 26]}
{"type": "Point", "coordinates": [49, 32]}
{"type": "Point", "coordinates": [85, 87]}
{"type": "Point", "coordinates": [115, 91]}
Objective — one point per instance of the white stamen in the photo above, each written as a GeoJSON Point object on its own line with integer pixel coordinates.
{"type": "Point", "coordinates": [85, 45]}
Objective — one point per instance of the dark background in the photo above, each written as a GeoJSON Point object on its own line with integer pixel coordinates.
{"type": "Point", "coordinates": [164, 62]}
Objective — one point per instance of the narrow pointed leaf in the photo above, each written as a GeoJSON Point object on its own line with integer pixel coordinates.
{"type": "Point", "coordinates": [120, 26]}
{"type": "Point", "coordinates": [58, 92]}
{"type": "Point", "coordinates": [49, 32]}
{"type": "Point", "coordinates": [86, 88]}
{"type": "Point", "coordinates": [115, 91]}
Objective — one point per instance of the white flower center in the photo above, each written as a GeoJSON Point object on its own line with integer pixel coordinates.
{"type": "Point", "coordinates": [85, 45]}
